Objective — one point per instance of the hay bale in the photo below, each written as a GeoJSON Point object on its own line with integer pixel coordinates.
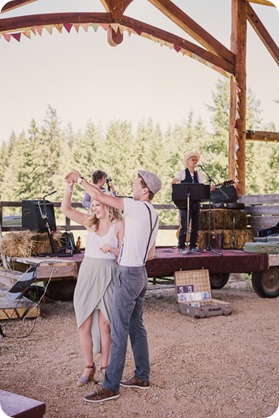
{"type": "Point", "coordinates": [223, 219]}
{"type": "Point", "coordinates": [17, 244]}
{"type": "Point", "coordinates": [41, 242]}
{"type": "Point", "coordinates": [27, 243]}
{"type": "Point", "coordinates": [231, 240]}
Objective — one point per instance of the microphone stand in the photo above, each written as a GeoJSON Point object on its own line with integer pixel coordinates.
{"type": "Point", "coordinates": [45, 218]}
{"type": "Point", "coordinates": [211, 181]}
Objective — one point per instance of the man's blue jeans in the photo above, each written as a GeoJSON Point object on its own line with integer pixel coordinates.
{"type": "Point", "coordinates": [127, 310]}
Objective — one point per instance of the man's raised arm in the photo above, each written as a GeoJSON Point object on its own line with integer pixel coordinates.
{"type": "Point", "coordinates": [94, 191]}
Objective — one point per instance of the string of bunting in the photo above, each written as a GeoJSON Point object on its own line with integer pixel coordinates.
{"type": "Point", "coordinates": [38, 30]}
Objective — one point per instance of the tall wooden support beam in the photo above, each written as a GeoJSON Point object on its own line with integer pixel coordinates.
{"type": "Point", "coordinates": [238, 46]}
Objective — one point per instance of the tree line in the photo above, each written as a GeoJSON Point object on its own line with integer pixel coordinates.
{"type": "Point", "coordinates": [34, 163]}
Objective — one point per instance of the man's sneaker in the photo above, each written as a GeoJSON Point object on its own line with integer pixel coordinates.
{"type": "Point", "coordinates": [101, 394]}
{"type": "Point", "coordinates": [134, 382]}
{"type": "Point", "coordinates": [195, 250]}
{"type": "Point", "coordinates": [182, 251]}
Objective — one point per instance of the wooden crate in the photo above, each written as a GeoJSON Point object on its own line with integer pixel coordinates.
{"type": "Point", "coordinates": [18, 309]}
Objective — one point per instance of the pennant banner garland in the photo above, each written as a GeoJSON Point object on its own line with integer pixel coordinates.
{"type": "Point", "coordinates": [27, 32]}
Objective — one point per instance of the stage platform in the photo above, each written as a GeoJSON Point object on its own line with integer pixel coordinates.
{"type": "Point", "coordinates": [167, 260]}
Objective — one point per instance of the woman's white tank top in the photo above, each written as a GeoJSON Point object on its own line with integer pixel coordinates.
{"type": "Point", "coordinates": [94, 242]}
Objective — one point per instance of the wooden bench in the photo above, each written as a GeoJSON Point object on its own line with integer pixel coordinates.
{"type": "Point", "coordinates": [262, 210]}
{"type": "Point", "coordinates": [19, 406]}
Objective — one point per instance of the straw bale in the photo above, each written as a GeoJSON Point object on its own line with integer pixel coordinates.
{"type": "Point", "coordinates": [231, 240]}
{"type": "Point", "coordinates": [27, 243]}
{"type": "Point", "coordinates": [223, 219]}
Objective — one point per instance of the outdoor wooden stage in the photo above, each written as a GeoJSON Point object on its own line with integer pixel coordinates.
{"type": "Point", "coordinates": [167, 260]}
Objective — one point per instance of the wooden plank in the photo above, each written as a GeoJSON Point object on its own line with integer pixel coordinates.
{"type": "Point", "coordinates": [19, 406]}
{"type": "Point", "coordinates": [54, 271]}
{"type": "Point", "coordinates": [263, 221]}
{"type": "Point", "coordinates": [273, 260]}
{"type": "Point", "coordinates": [20, 22]}
{"type": "Point", "coordinates": [10, 5]}
{"type": "Point", "coordinates": [262, 136]}
{"type": "Point", "coordinates": [266, 199]}
{"type": "Point", "coordinates": [262, 33]}
{"type": "Point", "coordinates": [262, 210]}
{"type": "Point", "coordinates": [264, 2]}
{"type": "Point", "coordinates": [191, 27]}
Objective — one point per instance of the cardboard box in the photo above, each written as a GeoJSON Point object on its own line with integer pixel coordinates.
{"type": "Point", "coordinates": [194, 295]}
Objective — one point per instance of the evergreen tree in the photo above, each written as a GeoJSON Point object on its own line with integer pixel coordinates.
{"type": "Point", "coordinates": [117, 156]}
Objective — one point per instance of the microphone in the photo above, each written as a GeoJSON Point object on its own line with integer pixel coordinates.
{"type": "Point", "coordinates": [49, 194]}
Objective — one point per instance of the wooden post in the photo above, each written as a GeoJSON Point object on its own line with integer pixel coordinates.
{"type": "Point", "coordinates": [238, 116]}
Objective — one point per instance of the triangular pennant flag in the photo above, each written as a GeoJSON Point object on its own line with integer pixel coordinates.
{"type": "Point", "coordinates": [59, 27]}
{"type": "Point", "coordinates": [138, 31]}
{"type": "Point", "coordinates": [27, 33]}
{"type": "Point", "coordinates": [33, 30]}
{"type": "Point", "coordinates": [95, 26]}
{"type": "Point", "coordinates": [17, 36]}
{"type": "Point", "coordinates": [49, 28]}
{"type": "Point", "coordinates": [68, 27]}
{"type": "Point", "coordinates": [76, 26]}
{"type": "Point", "coordinates": [39, 29]}
{"type": "Point", "coordinates": [7, 36]}
{"type": "Point", "coordinates": [177, 48]}
{"type": "Point", "coordinates": [115, 27]}
{"type": "Point", "coordinates": [85, 26]}
{"type": "Point", "coordinates": [105, 26]}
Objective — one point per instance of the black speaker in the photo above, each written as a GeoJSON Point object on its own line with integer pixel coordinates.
{"type": "Point", "coordinates": [33, 212]}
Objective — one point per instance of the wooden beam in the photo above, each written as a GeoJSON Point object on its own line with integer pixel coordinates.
{"type": "Point", "coordinates": [263, 2]}
{"type": "Point", "coordinates": [262, 136]}
{"type": "Point", "coordinates": [263, 34]}
{"type": "Point", "coordinates": [20, 22]}
{"type": "Point", "coordinates": [14, 4]}
{"type": "Point", "coordinates": [154, 32]}
{"type": "Point", "coordinates": [193, 29]}
{"type": "Point", "coordinates": [232, 143]}
{"type": "Point", "coordinates": [116, 7]}
{"type": "Point", "coordinates": [238, 46]}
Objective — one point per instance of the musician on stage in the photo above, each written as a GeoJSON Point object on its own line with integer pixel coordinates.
{"type": "Point", "coordinates": [189, 175]}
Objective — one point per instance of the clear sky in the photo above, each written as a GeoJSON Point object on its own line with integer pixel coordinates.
{"type": "Point", "coordinates": [84, 78]}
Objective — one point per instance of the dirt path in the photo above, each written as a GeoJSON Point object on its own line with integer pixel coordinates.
{"type": "Point", "coordinates": [218, 367]}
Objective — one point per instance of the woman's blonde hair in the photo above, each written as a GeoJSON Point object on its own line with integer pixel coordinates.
{"type": "Point", "coordinates": [93, 222]}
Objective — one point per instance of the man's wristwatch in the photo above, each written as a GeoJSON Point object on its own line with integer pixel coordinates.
{"type": "Point", "coordinates": [79, 180]}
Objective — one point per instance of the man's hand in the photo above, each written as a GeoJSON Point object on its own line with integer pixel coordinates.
{"type": "Point", "coordinates": [73, 176]}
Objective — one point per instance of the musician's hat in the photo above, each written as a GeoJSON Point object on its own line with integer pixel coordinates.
{"type": "Point", "coordinates": [189, 155]}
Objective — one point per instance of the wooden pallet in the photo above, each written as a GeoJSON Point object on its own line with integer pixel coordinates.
{"type": "Point", "coordinates": [18, 309]}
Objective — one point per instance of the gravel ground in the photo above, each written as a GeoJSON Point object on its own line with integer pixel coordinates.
{"type": "Point", "coordinates": [222, 366]}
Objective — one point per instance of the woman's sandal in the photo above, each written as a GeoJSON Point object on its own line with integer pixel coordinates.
{"type": "Point", "coordinates": [103, 370]}
{"type": "Point", "coordinates": [83, 380]}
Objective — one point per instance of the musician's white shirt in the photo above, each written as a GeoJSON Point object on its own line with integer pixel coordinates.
{"type": "Point", "coordinates": [181, 176]}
